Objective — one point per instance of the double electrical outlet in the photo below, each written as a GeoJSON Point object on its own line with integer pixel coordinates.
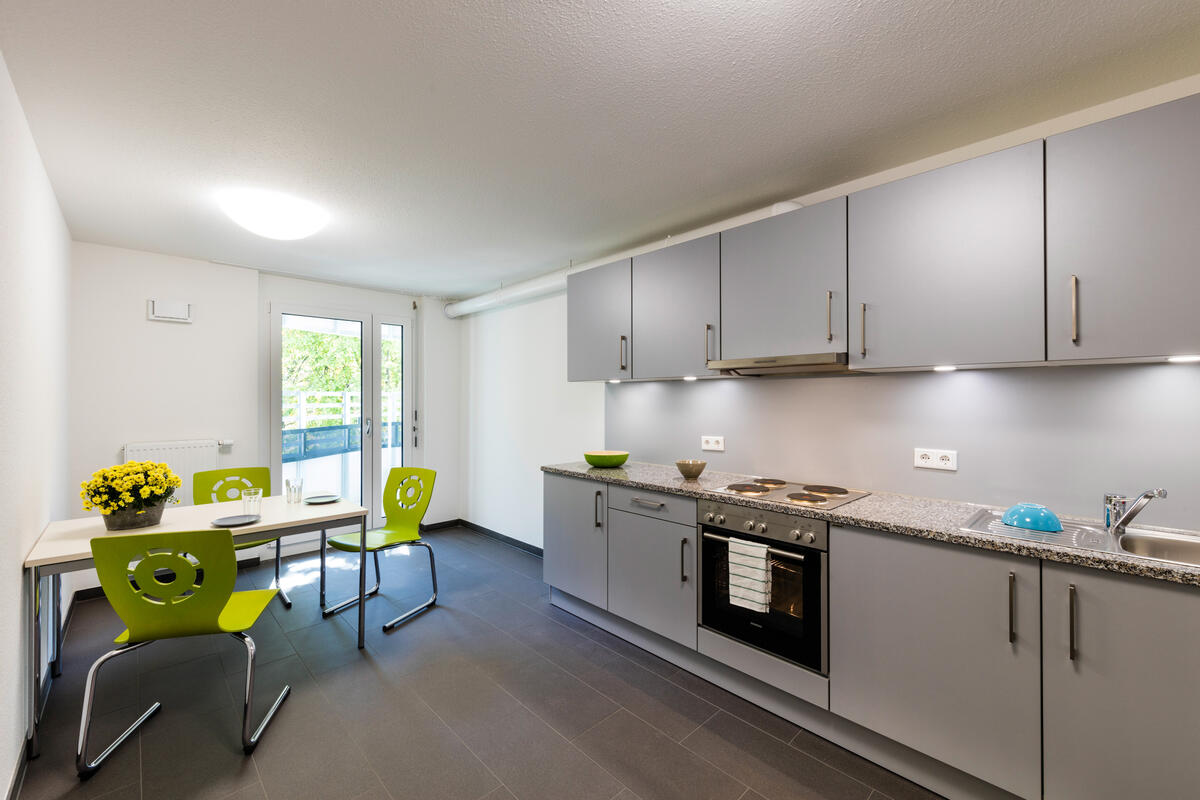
{"type": "Point", "coordinates": [925, 458]}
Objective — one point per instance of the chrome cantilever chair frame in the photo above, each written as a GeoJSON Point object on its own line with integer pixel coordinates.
{"type": "Point", "coordinates": [407, 615]}
{"type": "Point", "coordinates": [86, 768]}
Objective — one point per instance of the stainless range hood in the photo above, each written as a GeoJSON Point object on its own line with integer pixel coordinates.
{"type": "Point", "coordinates": [808, 364]}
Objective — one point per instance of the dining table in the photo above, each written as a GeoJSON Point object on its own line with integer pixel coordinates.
{"type": "Point", "coordinates": [66, 546]}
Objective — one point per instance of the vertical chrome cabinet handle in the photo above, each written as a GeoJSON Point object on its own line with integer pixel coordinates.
{"type": "Point", "coordinates": [621, 353]}
{"type": "Point", "coordinates": [1012, 607]}
{"type": "Point", "coordinates": [863, 328]}
{"type": "Point", "coordinates": [596, 507]}
{"type": "Point", "coordinates": [682, 569]}
{"type": "Point", "coordinates": [829, 316]}
{"type": "Point", "coordinates": [707, 328]}
{"type": "Point", "coordinates": [1072, 650]}
{"type": "Point", "coordinates": [1075, 309]}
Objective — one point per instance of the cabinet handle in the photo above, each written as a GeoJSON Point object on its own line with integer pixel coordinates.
{"type": "Point", "coordinates": [1072, 649]}
{"type": "Point", "coordinates": [682, 571]}
{"type": "Point", "coordinates": [648, 503]}
{"type": "Point", "coordinates": [707, 328]}
{"type": "Point", "coordinates": [829, 316]}
{"type": "Point", "coordinates": [1075, 309]}
{"type": "Point", "coordinates": [621, 353]}
{"type": "Point", "coordinates": [863, 328]}
{"type": "Point", "coordinates": [596, 508]}
{"type": "Point", "coordinates": [1012, 607]}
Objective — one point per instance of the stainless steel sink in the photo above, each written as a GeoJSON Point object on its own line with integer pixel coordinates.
{"type": "Point", "coordinates": [1073, 534]}
{"type": "Point", "coordinates": [1177, 547]}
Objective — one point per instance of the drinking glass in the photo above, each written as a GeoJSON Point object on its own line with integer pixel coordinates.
{"type": "Point", "coordinates": [251, 501]}
{"type": "Point", "coordinates": [295, 489]}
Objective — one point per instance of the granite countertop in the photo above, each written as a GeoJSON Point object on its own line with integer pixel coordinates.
{"type": "Point", "coordinates": [922, 517]}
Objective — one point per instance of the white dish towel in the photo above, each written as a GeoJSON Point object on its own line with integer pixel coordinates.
{"type": "Point", "coordinates": [749, 575]}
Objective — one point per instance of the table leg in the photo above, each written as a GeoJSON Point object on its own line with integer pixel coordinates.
{"type": "Point", "coordinates": [362, 584]}
{"type": "Point", "coordinates": [56, 595]}
{"type": "Point", "coordinates": [32, 747]}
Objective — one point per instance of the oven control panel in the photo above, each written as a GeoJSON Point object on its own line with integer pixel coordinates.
{"type": "Point", "coordinates": [787, 528]}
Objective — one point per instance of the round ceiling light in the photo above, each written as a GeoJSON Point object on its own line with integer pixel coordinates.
{"type": "Point", "coordinates": [271, 214]}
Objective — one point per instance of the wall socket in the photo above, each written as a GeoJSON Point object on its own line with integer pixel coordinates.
{"type": "Point", "coordinates": [715, 443]}
{"type": "Point", "coordinates": [926, 458]}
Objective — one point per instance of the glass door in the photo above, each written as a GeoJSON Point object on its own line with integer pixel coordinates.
{"type": "Point", "coordinates": [321, 403]}
{"type": "Point", "coordinates": [397, 422]}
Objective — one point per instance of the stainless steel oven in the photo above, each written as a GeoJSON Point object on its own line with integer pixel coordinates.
{"type": "Point", "coordinates": [795, 625]}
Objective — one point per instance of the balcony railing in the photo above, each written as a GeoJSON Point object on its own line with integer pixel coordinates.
{"type": "Point", "coordinates": [319, 424]}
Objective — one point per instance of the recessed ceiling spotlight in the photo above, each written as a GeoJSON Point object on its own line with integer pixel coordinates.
{"type": "Point", "coordinates": [689, 377]}
{"type": "Point", "coordinates": [271, 214]}
{"type": "Point", "coordinates": [946, 368]}
{"type": "Point", "coordinates": [1184, 359]}
{"type": "Point", "coordinates": [614, 380]}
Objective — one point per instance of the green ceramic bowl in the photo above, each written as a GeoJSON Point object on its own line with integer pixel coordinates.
{"type": "Point", "coordinates": [605, 458]}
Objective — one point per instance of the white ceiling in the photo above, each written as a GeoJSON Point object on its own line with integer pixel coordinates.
{"type": "Point", "coordinates": [458, 145]}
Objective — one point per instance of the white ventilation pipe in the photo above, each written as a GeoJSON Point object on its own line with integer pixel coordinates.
{"type": "Point", "coordinates": [554, 282]}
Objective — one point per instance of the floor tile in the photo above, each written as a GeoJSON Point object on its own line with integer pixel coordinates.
{"type": "Point", "coordinates": [254, 791]}
{"type": "Point", "coordinates": [566, 703]}
{"type": "Point", "coordinates": [500, 793]}
{"type": "Point", "coordinates": [884, 781]}
{"type": "Point", "coordinates": [196, 756]}
{"type": "Point", "coordinates": [770, 767]}
{"type": "Point", "coordinates": [187, 687]}
{"type": "Point", "coordinates": [52, 774]}
{"type": "Point", "coordinates": [652, 765]}
{"type": "Point", "coordinates": [759, 717]}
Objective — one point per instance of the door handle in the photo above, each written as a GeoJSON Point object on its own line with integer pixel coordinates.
{"type": "Point", "coordinates": [707, 328]}
{"type": "Point", "coordinates": [1012, 607]}
{"type": "Point", "coordinates": [621, 363]}
{"type": "Point", "coordinates": [1072, 650]}
{"type": "Point", "coordinates": [1075, 309]}
{"type": "Point", "coordinates": [596, 509]}
{"type": "Point", "coordinates": [829, 316]}
{"type": "Point", "coordinates": [682, 568]}
{"type": "Point", "coordinates": [367, 426]}
{"type": "Point", "coordinates": [862, 332]}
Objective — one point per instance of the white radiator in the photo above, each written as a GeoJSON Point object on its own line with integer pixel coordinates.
{"type": "Point", "coordinates": [185, 458]}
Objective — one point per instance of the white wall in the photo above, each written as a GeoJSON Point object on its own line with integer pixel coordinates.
{"type": "Point", "coordinates": [519, 412]}
{"type": "Point", "coordinates": [34, 267]}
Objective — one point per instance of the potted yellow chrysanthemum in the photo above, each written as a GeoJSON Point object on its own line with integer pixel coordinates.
{"type": "Point", "coordinates": [130, 495]}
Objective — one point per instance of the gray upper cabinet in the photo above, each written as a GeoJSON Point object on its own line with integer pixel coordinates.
{"type": "Point", "coordinates": [1122, 717]}
{"type": "Point", "coordinates": [677, 309]}
{"type": "Point", "coordinates": [1122, 204]}
{"type": "Point", "coordinates": [949, 265]}
{"type": "Point", "coordinates": [575, 537]}
{"type": "Point", "coordinates": [652, 574]}
{"type": "Point", "coordinates": [783, 284]}
{"type": "Point", "coordinates": [938, 647]}
{"type": "Point", "coordinates": [599, 323]}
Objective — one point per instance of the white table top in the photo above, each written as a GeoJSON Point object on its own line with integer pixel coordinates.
{"type": "Point", "coordinates": [70, 540]}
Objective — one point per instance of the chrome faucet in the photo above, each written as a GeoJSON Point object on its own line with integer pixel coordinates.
{"type": "Point", "coordinates": [1118, 513]}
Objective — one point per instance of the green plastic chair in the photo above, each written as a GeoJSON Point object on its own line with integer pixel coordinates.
{"type": "Point", "coordinates": [224, 485]}
{"type": "Point", "coordinates": [406, 497]}
{"type": "Point", "coordinates": [164, 586]}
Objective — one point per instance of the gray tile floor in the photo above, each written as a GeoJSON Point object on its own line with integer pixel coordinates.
{"type": "Point", "coordinates": [492, 695]}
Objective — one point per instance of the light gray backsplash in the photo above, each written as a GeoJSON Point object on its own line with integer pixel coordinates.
{"type": "Point", "coordinates": [1060, 436]}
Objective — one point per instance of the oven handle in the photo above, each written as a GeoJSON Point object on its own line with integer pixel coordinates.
{"type": "Point", "coordinates": [772, 550]}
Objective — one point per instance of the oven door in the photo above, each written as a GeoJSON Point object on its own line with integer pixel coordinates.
{"type": "Point", "coordinates": [795, 625]}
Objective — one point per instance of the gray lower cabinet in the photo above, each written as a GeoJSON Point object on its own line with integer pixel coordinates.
{"type": "Point", "coordinates": [1121, 718]}
{"type": "Point", "coordinates": [947, 267]}
{"type": "Point", "coordinates": [652, 574]}
{"type": "Point", "coordinates": [783, 284]}
{"type": "Point", "coordinates": [600, 322]}
{"type": "Point", "coordinates": [1122, 200]}
{"type": "Point", "coordinates": [920, 651]}
{"type": "Point", "coordinates": [677, 309]}
{"type": "Point", "coordinates": [575, 537]}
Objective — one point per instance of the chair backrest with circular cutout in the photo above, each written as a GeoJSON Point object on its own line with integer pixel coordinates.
{"type": "Point", "coordinates": [220, 485]}
{"type": "Point", "coordinates": [164, 585]}
{"type": "Point", "coordinates": [406, 496]}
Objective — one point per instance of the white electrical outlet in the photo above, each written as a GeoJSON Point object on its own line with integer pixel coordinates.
{"type": "Point", "coordinates": [926, 458]}
{"type": "Point", "coordinates": [716, 443]}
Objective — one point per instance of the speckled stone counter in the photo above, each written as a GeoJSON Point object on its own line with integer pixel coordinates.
{"type": "Point", "coordinates": [922, 517]}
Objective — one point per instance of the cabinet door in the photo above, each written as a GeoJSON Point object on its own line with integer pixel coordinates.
{"type": "Point", "coordinates": [599, 322]}
{"type": "Point", "coordinates": [1122, 201]}
{"type": "Point", "coordinates": [1122, 718]}
{"type": "Point", "coordinates": [652, 574]}
{"type": "Point", "coordinates": [677, 309]}
{"type": "Point", "coordinates": [783, 284]}
{"type": "Point", "coordinates": [575, 537]}
{"type": "Point", "coordinates": [949, 265]}
{"type": "Point", "coordinates": [920, 651]}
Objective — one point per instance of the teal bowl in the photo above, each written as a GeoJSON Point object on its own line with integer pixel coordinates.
{"type": "Point", "coordinates": [605, 458]}
{"type": "Point", "coordinates": [1033, 517]}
